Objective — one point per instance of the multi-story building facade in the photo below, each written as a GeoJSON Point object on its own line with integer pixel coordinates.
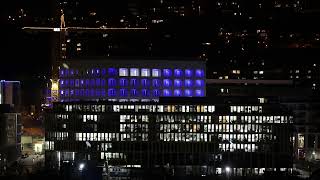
{"type": "Point", "coordinates": [130, 79]}
{"type": "Point", "coordinates": [10, 93]}
{"type": "Point", "coordinates": [179, 137]}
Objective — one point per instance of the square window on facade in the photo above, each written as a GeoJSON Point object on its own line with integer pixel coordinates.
{"type": "Point", "coordinates": [156, 73]}
{"type": "Point", "coordinates": [167, 72]}
{"type": "Point", "coordinates": [145, 72]}
{"type": "Point", "coordinates": [134, 72]}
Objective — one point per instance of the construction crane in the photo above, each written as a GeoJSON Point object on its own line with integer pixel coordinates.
{"type": "Point", "coordinates": [61, 54]}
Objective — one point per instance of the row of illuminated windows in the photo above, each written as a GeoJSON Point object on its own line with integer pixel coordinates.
{"type": "Point", "coordinates": [237, 128]}
{"type": "Point", "coordinates": [145, 72]}
{"type": "Point", "coordinates": [58, 135]}
{"type": "Point", "coordinates": [134, 137]}
{"type": "Point", "coordinates": [180, 127]}
{"type": "Point", "coordinates": [113, 155]}
{"type": "Point", "coordinates": [134, 72]}
{"type": "Point", "coordinates": [106, 146]}
{"type": "Point", "coordinates": [183, 119]}
{"type": "Point", "coordinates": [130, 92]}
{"type": "Point", "coordinates": [97, 136]}
{"type": "Point", "coordinates": [234, 147]}
{"type": "Point", "coordinates": [166, 108]}
{"type": "Point", "coordinates": [136, 108]}
{"type": "Point", "coordinates": [123, 82]}
{"type": "Point", "coordinates": [134, 128]}
{"type": "Point", "coordinates": [184, 137]}
{"type": "Point", "coordinates": [134, 118]}
{"type": "Point", "coordinates": [246, 109]}
{"type": "Point", "coordinates": [86, 118]}
{"type": "Point", "coordinates": [234, 138]}
{"type": "Point", "coordinates": [62, 116]}
{"type": "Point", "coordinates": [49, 145]}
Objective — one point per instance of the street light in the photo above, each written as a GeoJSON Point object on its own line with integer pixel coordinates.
{"type": "Point", "coordinates": [81, 166]}
{"type": "Point", "coordinates": [228, 171]}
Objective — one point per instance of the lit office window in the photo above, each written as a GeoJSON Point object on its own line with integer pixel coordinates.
{"type": "Point", "coordinates": [166, 82]}
{"type": "Point", "coordinates": [103, 71]}
{"type": "Point", "coordinates": [134, 82]}
{"type": "Point", "coordinates": [111, 92]}
{"type": "Point", "coordinates": [188, 73]}
{"type": "Point", "coordinates": [199, 93]}
{"type": "Point", "coordinates": [177, 83]}
{"type": "Point", "coordinates": [188, 83]}
{"type": "Point", "coordinates": [199, 83]}
{"type": "Point", "coordinates": [156, 93]}
{"type": "Point", "coordinates": [123, 82]}
{"type": "Point", "coordinates": [166, 92]}
{"type": "Point", "coordinates": [112, 82]}
{"type": "Point", "coordinates": [134, 72]}
{"type": "Point", "coordinates": [187, 92]}
{"type": "Point", "coordinates": [199, 73]}
{"type": "Point", "coordinates": [112, 71]}
{"type": "Point", "coordinates": [177, 92]}
{"type": "Point", "coordinates": [156, 83]}
{"type": "Point", "coordinates": [178, 73]}
{"type": "Point", "coordinates": [145, 92]}
{"type": "Point", "coordinates": [123, 72]}
{"type": "Point", "coordinates": [123, 92]}
{"type": "Point", "coordinates": [167, 72]}
{"type": "Point", "coordinates": [145, 82]}
{"type": "Point", "coordinates": [133, 92]}
{"type": "Point", "coordinates": [156, 73]}
{"type": "Point", "coordinates": [145, 72]}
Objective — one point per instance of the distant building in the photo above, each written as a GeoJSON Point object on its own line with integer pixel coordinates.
{"type": "Point", "coordinates": [10, 93]}
{"type": "Point", "coordinates": [175, 136]}
{"type": "Point", "coordinates": [10, 134]}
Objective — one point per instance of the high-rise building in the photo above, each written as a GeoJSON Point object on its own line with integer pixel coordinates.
{"type": "Point", "coordinates": [10, 93]}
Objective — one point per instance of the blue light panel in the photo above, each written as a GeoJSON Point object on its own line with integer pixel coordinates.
{"type": "Point", "coordinates": [199, 73]}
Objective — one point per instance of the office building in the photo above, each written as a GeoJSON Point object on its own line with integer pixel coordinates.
{"type": "Point", "coordinates": [10, 93]}
{"type": "Point", "coordinates": [175, 136]}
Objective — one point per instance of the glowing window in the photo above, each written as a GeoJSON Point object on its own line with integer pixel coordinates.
{"type": "Point", "coordinates": [112, 71]}
{"type": "Point", "coordinates": [188, 73]}
{"type": "Point", "coordinates": [134, 72]}
{"type": "Point", "coordinates": [156, 83]}
{"type": "Point", "coordinates": [166, 82]}
{"type": "Point", "coordinates": [199, 73]}
{"type": "Point", "coordinates": [133, 92]}
{"type": "Point", "coordinates": [156, 93]}
{"type": "Point", "coordinates": [178, 73]}
{"type": "Point", "coordinates": [103, 72]}
{"type": "Point", "coordinates": [166, 92]}
{"type": "Point", "coordinates": [187, 92]}
{"type": "Point", "coordinates": [123, 82]}
{"type": "Point", "coordinates": [123, 72]}
{"type": "Point", "coordinates": [167, 72]}
{"type": "Point", "coordinates": [177, 83]}
{"type": "Point", "coordinates": [145, 72]}
{"type": "Point", "coordinates": [98, 82]}
{"type": "Point", "coordinates": [145, 82]}
{"type": "Point", "coordinates": [134, 82]}
{"type": "Point", "coordinates": [145, 92]}
{"type": "Point", "coordinates": [123, 92]}
{"type": "Point", "coordinates": [156, 73]}
{"type": "Point", "coordinates": [177, 92]}
{"type": "Point", "coordinates": [112, 82]}
{"type": "Point", "coordinates": [199, 92]}
{"type": "Point", "coordinates": [187, 83]}
{"type": "Point", "coordinates": [111, 92]}
{"type": "Point", "coordinates": [199, 83]}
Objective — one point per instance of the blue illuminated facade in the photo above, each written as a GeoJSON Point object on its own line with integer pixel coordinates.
{"type": "Point", "coordinates": [131, 80]}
